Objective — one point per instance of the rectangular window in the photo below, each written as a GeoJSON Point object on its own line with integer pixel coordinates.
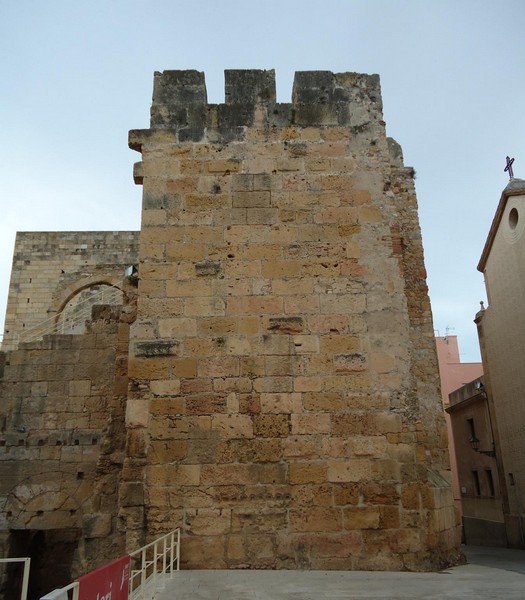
{"type": "Point", "coordinates": [490, 482]}
{"type": "Point", "coordinates": [477, 487]}
{"type": "Point", "coordinates": [472, 429]}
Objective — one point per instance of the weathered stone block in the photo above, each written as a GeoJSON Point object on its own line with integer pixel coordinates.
{"type": "Point", "coordinates": [220, 474]}
{"type": "Point", "coordinates": [76, 388]}
{"type": "Point", "coordinates": [281, 403]}
{"type": "Point", "coordinates": [166, 406]}
{"type": "Point", "coordinates": [233, 426]}
{"type": "Point", "coordinates": [271, 425]}
{"type": "Point", "coordinates": [308, 424]}
{"type": "Point", "coordinates": [324, 401]}
{"type": "Point", "coordinates": [249, 521]}
{"type": "Point", "coordinates": [367, 517]}
{"type": "Point", "coordinates": [132, 494]}
{"type": "Point", "coordinates": [307, 472]}
{"type": "Point", "coordinates": [164, 452]}
{"type": "Point", "coordinates": [170, 474]}
{"type": "Point", "coordinates": [205, 521]}
{"type": "Point", "coordinates": [205, 404]}
{"type": "Point", "coordinates": [165, 387]}
{"type": "Point", "coordinates": [316, 519]}
{"type": "Point", "coordinates": [235, 550]}
{"type": "Point", "coordinates": [348, 470]}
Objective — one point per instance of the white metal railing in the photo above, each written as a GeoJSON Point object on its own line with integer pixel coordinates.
{"type": "Point", "coordinates": [71, 592]}
{"type": "Point", "coordinates": [64, 323]}
{"type": "Point", "coordinates": [153, 564]}
{"type": "Point", "coordinates": [25, 577]}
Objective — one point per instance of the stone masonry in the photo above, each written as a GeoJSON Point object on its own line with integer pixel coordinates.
{"type": "Point", "coordinates": [50, 267]}
{"type": "Point", "coordinates": [283, 406]}
{"type": "Point", "coordinates": [62, 444]}
{"type": "Point", "coordinates": [62, 405]}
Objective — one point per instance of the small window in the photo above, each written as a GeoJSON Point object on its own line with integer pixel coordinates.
{"type": "Point", "coordinates": [490, 482]}
{"type": "Point", "coordinates": [514, 217]}
{"type": "Point", "coordinates": [477, 487]}
{"type": "Point", "coordinates": [471, 428]}
{"type": "Point", "coordinates": [511, 479]}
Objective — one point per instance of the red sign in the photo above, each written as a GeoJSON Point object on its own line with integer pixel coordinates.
{"type": "Point", "coordinates": [110, 582]}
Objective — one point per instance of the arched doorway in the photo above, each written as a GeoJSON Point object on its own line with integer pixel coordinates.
{"type": "Point", "coordinates": [52, 552]}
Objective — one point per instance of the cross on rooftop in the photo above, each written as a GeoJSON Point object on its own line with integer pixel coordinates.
{"type": "Point", "coordinates": [509, 167]}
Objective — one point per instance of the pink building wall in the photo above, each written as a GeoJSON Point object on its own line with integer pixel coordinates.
{"type": "Point", "coordinates": [453, 374]}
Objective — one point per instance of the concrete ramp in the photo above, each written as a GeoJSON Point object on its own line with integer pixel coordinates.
{"type": "Point", "coordinates": [490, 573]}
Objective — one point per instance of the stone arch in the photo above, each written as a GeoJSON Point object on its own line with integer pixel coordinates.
{"type": "Point", "coordinates": [44, 514]}
{"type": "Point", "coordinates": [47, 500]}
{"type": "Point", "coordinates": [62, 297]}
{"type": "Point", "coordinates": [72, 307]}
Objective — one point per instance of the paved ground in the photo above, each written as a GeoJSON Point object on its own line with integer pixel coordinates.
{"type": "Point", "coordinates": [491, 573]}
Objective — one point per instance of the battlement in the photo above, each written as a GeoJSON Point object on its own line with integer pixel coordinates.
{"type": "Point", "coordinates": [319, 98]}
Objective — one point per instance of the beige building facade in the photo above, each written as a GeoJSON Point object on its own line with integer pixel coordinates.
{"type": "Point", "coordinates": [281, 398]}
{"type": "Point", "coordinates": [501, 331]}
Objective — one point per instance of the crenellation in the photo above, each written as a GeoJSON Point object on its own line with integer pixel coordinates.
{"type": "Point", "coordinates": [300, 233]}
{"type": "Point", "coordinates": [249, 87]}
{"type": "Point", "coordinates": [320, 99]}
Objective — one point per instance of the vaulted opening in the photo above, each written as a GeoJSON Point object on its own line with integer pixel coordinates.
{"type": "Point", "coordinates": [52, 552]}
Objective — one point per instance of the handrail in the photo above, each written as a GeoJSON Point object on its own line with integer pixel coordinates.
{"type": "Point", "coordinates": [156, 560]}
{"type": "Point", "coordinates": [54, 325]}
{"type": "Point", "coordinates": [144, 579]}
{"type": "Point", "coordinates": [59, 593]}
{"type": "Point", "coordinates": [25, 578]}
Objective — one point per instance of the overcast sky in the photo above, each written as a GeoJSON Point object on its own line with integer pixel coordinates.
{"type": "Point", "coordinates": [76, 76]}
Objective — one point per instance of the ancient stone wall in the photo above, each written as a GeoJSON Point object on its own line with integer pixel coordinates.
{"type": "Point", "coordinates": [49, 268]}
{"type": "Point", "coordinates": [62, 441]}
{"type": "Point", "coordinates": [284, 405]}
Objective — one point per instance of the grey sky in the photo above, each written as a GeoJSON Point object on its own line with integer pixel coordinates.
{"type": "Point", "coordinates": [76, 76]}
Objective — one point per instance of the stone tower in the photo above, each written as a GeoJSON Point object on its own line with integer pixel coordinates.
{"type": "Point", "coordinates": [284, 405]}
